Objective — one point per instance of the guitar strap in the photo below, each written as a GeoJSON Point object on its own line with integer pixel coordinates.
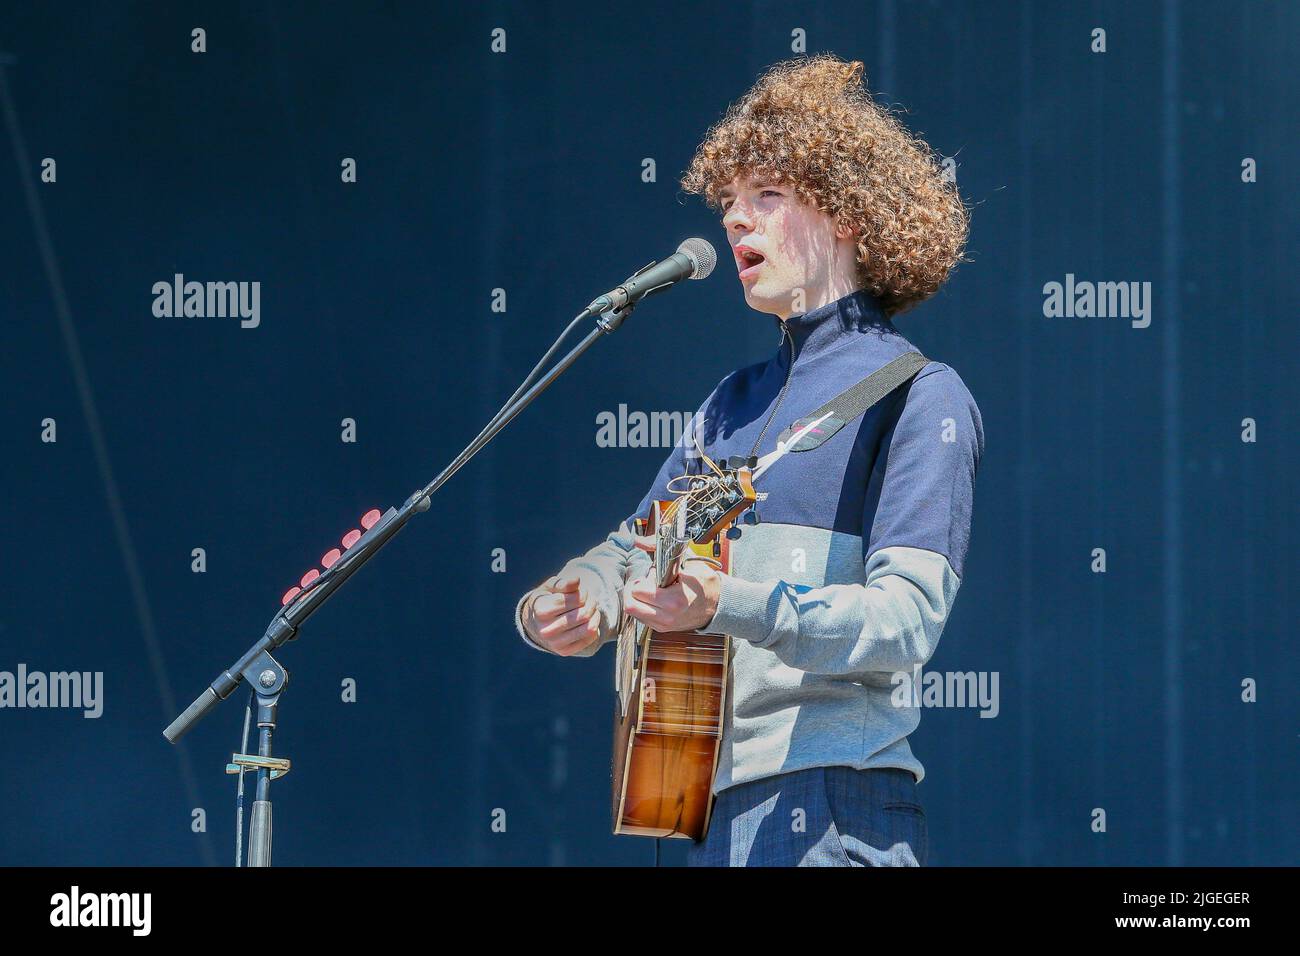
{"type": "Point", "coordinates": [851, 403]}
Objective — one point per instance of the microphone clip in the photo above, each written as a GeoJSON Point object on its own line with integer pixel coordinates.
{"type": "Point", "coordinates": [611, 319]}
{"type": "Point", "coordinates": [617, 298]}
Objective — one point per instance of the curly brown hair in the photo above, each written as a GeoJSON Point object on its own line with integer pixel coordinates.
{"type": "Point", "coordinates": [810, 124]}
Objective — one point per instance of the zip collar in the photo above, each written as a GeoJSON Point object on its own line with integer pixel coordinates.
{"type": "Point", "coordinates": [829, 325]}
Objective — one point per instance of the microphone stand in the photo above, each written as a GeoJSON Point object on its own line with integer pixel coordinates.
{"type": "Point", "coordinates": [268, 678]}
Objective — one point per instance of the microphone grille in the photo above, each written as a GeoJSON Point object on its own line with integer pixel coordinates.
{"type": "Point", "coordinates": [701, 254]}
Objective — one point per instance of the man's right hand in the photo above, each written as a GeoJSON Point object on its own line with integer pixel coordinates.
{"type": "Point", "coordinates": [563, 617]}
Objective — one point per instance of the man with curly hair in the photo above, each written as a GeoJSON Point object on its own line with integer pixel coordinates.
{"type": "Point", "coordinates": [838, 219]}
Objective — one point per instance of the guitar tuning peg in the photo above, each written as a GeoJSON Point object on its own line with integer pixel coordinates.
{"type": "Point", "coordinates": [750, 517]}
{"type": "Point", "coordinates": [751, 462]}
{"type": "Point", "coordinates": [733, 533]}
{"type": "Point", "coordinates": [717, 548]}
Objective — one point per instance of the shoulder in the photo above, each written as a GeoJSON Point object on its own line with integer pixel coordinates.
{"type": "Point", "coordinates": [940, 382]}
{"type": "Point", "coordinates": [726, 404]}
{"type": "Point", "coordinates": [738, 380]}
{"type": "Point", "coordinates": [939, 398]}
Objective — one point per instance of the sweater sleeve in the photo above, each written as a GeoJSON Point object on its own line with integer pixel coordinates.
{"type": "Point", "coordinates": [617, 560]}
{"type": "Point", "coordinates": [611, 563]}
{"type": "Point", "coordinates": [916, 528]}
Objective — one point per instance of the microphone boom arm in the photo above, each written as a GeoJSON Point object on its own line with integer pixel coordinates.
{"type": "Point", "coordinates": [286, 622]}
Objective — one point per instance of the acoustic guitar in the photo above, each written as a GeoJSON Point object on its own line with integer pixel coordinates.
{"type": "Point", "coordinates": [672, 688]}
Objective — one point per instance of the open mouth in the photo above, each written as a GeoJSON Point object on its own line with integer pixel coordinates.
{"type": "Point", "coordinates": [748, 262]}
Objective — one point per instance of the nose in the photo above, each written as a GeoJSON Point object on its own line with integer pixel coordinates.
{"type": "Point", "coordinates": [738, 219]}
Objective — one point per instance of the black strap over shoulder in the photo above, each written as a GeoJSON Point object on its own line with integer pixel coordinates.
{"type": "Point", "coordinates": [852, 402]}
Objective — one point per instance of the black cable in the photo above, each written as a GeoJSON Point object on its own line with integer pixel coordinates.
{"type": "Point", "coordinates": [239, 790]}
{"type": "Point", "coordinates": [533, 374]}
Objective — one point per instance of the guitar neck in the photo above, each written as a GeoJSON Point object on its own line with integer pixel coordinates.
{"type": "Point", "coordinates": [667, 561]}
{"type": "Point", "coordinates": [668, 547]}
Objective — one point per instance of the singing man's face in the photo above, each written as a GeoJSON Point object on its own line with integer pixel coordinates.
{"type": "Point", "coordinates": [788, 255]}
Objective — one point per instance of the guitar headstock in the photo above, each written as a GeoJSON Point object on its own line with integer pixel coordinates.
{"type": "Point", "coordinates": [715, 498]}
{"type": "Point", "coordinates": [709, 502]}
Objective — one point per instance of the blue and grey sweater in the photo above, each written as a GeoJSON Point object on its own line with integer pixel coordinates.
{"type": "Point", "coordinates": [852, 571]}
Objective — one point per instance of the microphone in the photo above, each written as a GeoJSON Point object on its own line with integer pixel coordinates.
{"type": "Point", "coordinates": [694, 259]}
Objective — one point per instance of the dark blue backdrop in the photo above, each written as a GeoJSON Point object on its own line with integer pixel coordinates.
{"type": "Point", "coordinates": [523, 171]}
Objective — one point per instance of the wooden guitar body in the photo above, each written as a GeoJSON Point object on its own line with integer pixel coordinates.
{"type": "Point", "coordinates": [668, 720]}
